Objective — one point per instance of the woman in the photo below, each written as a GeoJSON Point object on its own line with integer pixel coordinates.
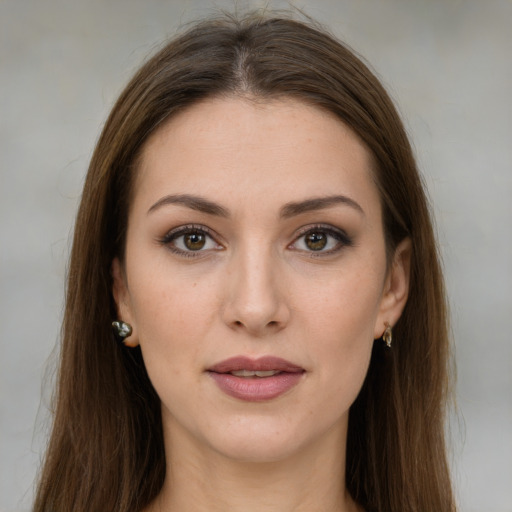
{"type": "Point", "coordinates": [254, 226]}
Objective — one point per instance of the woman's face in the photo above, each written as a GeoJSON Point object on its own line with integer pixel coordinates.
{"type": "Point", "coordinates": [255, 276]}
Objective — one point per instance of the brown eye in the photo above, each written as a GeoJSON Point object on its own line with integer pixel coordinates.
{"type": "Point", "coordinates": [315, 241]}
{"type": "Point", "coordinates": [190, 241]}
{"type": "Point", "coordinates": [194, 241]}
{"type": "Point", "coordinates": [321, 240]}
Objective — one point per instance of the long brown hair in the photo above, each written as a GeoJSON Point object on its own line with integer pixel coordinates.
{"type": "Point", "coordinates": [106, 449]}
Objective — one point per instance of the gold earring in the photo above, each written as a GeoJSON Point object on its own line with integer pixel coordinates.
{"type": "Point", "coordinates": [388, 335]}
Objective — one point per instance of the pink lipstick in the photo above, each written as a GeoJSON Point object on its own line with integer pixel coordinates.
{"type": "Point", "coordinates": [255, 380]}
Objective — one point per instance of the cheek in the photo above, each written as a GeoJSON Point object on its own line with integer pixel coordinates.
{"type": "Point", "coordinates": [344, 305]}
{"type": "Point", "coordinates": [162, 294]}
{"type": "Point", "coordinates": [341, 320]}
{"type": "Point", "coordinates": [172, 332]}
{"type": "Point", "coordinates": [173, 313]}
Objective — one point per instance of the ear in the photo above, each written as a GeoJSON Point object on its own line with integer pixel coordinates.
{"type": "Point", "coordinates": [396, 288]}
{"type": "Point", "coordinates": [122, 299]}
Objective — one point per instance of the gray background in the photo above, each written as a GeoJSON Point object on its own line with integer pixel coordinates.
{"type": "Point", "coordinates": [447, 64]}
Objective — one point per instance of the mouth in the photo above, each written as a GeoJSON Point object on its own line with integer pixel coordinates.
{"type": "Point", "coordinates": [255, 380]}
{"type": "Point", "coordinates": [255, 373]}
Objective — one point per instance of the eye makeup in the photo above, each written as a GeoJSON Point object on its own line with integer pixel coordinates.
{"type": "Point", "coordinates": [197, 240]}
{"type": "Point", "coordinates": [191, 241]}
{"type": "Point", "coordinates": [321, 240]}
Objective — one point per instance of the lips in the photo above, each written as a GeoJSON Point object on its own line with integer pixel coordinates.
{"type": "Point", "coordinates": [255, 380]}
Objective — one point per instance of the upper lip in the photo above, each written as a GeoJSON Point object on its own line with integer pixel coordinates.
{"type": "Point", "coordinates": [265, 363]}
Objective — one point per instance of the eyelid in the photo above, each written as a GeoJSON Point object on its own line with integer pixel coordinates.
{"type": "Point", "coordinates": [344, 240]}
{"type": "Point", "coordinates": [175, 233]}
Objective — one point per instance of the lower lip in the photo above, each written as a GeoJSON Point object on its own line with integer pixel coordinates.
{"type": "Point", "coordinates": [256, 389]}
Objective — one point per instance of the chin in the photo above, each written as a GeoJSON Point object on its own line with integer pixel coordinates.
{"type": "Point", "coordinates": [264, 449]}
{"type": "Point", "coordinates": [266, 440]}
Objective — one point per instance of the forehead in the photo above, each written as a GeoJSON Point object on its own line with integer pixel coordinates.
{"type": "Point", "coordinates": [265, 151]}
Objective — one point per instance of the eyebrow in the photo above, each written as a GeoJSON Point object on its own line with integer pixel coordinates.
{"type": "Point", "coordinates": [193, 202]}
{"type": "Point", "coordinates": [318, 203]}
{"type": "Point", "coordinates": [288, 210]}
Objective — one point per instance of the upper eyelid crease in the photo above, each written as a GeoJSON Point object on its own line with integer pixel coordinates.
{"type": "Point", "coordinates": [287, 211]}
{"type": "Point", "coordinates": [338, 234]}
{"type": "Point", "coordinates": [183, 230]}
{"type": "Point", "coordinates": [319, 227]}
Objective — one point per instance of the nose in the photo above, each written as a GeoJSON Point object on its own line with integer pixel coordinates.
{"type": "Point", "coordinates": [255, 300]}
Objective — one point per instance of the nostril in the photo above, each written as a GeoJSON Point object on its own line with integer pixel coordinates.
{"type": "Point", "coordinates": [271, 324]}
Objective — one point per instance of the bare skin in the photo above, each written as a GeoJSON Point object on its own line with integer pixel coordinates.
{"type": "Point", "coordinates": [256, 230]}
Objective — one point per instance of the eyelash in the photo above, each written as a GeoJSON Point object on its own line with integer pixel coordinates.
{"type": "Point", "coordinates": [177, 233]}
{"type": "Point", "coordinates": [342, 239]}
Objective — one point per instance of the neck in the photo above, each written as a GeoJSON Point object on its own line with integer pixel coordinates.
{"type": "Point", "coordinates": [199, 479]}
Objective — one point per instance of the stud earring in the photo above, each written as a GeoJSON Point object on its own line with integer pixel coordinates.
{"type": "Point", "coordinates": [122, 329]}
{"type": "Point", "coordinates": [388, 335]}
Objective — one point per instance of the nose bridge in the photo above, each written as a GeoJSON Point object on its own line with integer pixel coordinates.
{"type": "Point", "coordinates": [256, 301]}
